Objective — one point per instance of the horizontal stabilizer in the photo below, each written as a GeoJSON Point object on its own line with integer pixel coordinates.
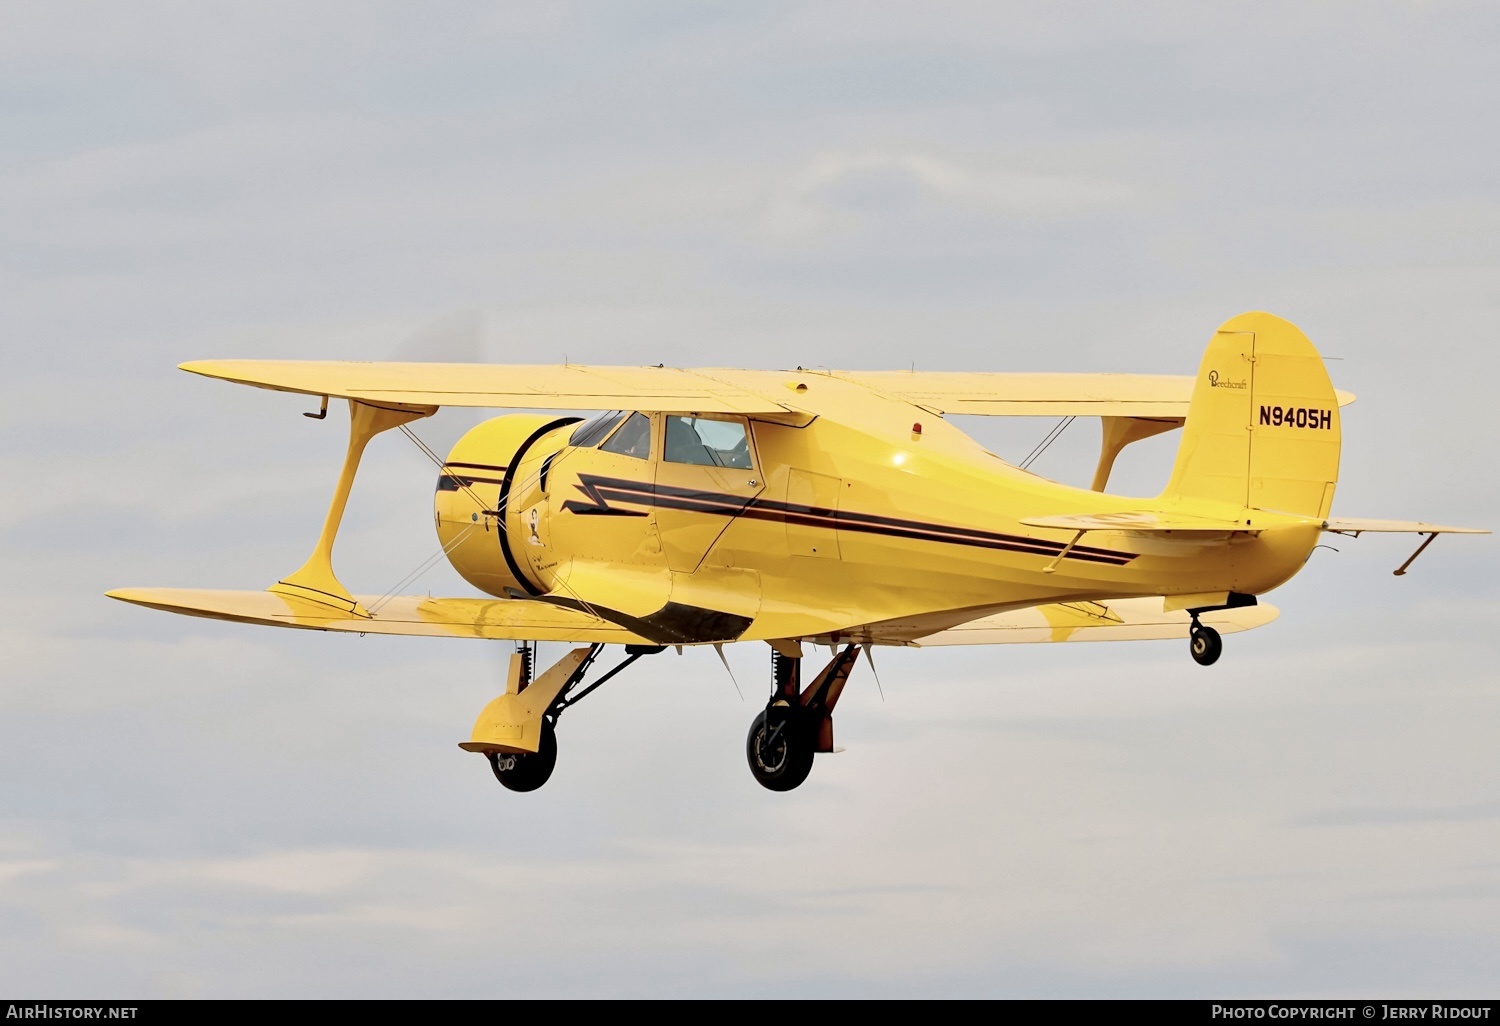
{"type": "Point", "coordinates": [1356, 525]}
{"type": "Point", "coordinates": [1137, 619]}
{"type": "Point", "coordinates": [1139, 521]}
{"type": "Point", "coordinates": [418, 615]}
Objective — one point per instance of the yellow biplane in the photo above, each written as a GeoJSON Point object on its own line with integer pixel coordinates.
{"type": "Point", "coordinates": [702, 507]}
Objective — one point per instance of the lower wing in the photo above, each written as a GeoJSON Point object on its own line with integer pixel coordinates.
{"type": "Point", "coordinates": [1135, 619]}
{"type": "Point", "coordinates": [496, 619]}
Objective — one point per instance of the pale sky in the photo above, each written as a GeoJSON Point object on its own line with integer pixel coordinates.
{"type": "Point", "coordinates": [197, 809]}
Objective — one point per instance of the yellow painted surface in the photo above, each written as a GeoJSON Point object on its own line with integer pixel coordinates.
{"type": "Point", "coordinates": [484, 618]}
{"type": "Point", "coordinates": [1141, 619]}
{"type": "Point", "coordinates": [504, 386]}
{"type": "Point", "coordinates": [1039, 395]}
{"type": "Point", "coordinates": [1354, 525]}
{"type": "Point", "coordinates": [315, 581]}
{"type": "Point", "coordinates": [469, 486]}
{"type": "Point", "coordinates": [863, 517]}
{"type": "Point", "coordinates": [709, 390]}
{"type": "Point", "coordinates": [1118, 432]}
{"type": "Point", "coordinates": [513, 722]}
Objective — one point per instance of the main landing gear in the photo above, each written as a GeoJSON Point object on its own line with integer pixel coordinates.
{"type": "Point", "coordinates": [527, 771]}
{"type": "Point", "coordinates": [1204, 642]}
{"type": "Point", "coordinates": [517, 732]}
{"type": "Point", "coordinates": [796, 723]}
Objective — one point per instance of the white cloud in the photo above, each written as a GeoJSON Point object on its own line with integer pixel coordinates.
{"type": "Point", "coordinates": [305, 872]}
{"type": "Point", "coordinates": [837, 191]}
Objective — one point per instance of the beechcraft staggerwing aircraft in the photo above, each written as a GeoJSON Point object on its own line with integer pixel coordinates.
{"type": "Point", "coordinates": [702, 507]}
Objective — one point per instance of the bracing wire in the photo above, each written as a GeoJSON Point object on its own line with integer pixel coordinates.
{"type": "Point", "coordinates": [1052, 436]}
{"type": "Point", "coordinates": [422, 568]}
{"type": "Point", "coordinates": [500, 520]}
{"type": "Point", "coordinates": [562, 582]}
{"type": "Point", "coordinates": [435, 458]}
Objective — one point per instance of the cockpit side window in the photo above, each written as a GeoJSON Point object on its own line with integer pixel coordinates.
{"type": "Point", "coordinates": [596, 427]}
{"type": "Point", "coordinates": [633, 438]}
{"type": "Point", "coordinates": [708, 443]}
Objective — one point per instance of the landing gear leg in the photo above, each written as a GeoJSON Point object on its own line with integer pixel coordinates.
{"type": "Point", "coordinates": [1204, 642]}
{"type": "Point", "coordinates": [517, 732]}
{"type": "Point", "coordinates": [796, 724]}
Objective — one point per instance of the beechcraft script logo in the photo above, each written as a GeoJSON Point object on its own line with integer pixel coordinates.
{"type": "Point", "coordinates": [1214, 381]}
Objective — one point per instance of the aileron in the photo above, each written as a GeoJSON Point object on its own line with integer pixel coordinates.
{"type": "Point", "coordinates": [494, 385]}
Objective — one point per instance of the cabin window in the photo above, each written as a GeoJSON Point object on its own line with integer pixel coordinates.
{"type": "Point", "coordinates": [633, 438]}
{"type": "Point", "coordinates": [595, 428]}
{"type": "Point", "coordinates": [708, 443]}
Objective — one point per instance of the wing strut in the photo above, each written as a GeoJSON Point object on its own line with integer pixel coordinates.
{"type": "Point", "coordinates": [1400, 571]}
{"type": "Point", "coordinates": [1356, 526]}
{"type": "Point", "coordinates": [315, 581]}
{"type": "Point", "coordinates": [1052, 566]}
{"type": "Point", "coordinates": [1120, 432]}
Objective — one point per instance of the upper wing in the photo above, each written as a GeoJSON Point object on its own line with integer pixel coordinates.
{"type": "Point", "coordinates": [1137, 619]}
{"type": "Point", "coordinates": [707, 391]}
{"type": "Point", "coordinates": [498, 385]}
{"type": "Point", "coordinates": [503, 619]}
{"type": "Point", "coordinates": [1039, 395]}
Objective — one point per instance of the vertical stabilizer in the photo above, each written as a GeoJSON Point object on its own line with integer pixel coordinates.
{"type": "Point", "coordinates": [1262, 430]}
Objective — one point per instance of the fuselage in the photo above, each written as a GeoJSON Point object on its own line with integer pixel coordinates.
{"type": "Point", "coordinates": [862, 516]}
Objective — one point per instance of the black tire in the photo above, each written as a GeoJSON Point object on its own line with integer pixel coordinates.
{"type": "Point", "coordinates": [782, 760]}
{"type": "Point", "coordinates": [529, 771]}
{"type": "Point", "coordinates": [1205, 644]}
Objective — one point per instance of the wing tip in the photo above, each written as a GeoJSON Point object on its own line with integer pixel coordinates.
{"type": "Point", "coordinates": [152, 598]}
{"type": "Point", "coordinates": [239, 371]}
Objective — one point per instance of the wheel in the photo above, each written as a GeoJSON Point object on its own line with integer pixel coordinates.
{"type": "Point", "coordinates": [779, 749]}
{"type": "Point", "coordinates": [1205, 645]}
{"type": "Point", "coordinates": [528, 771]}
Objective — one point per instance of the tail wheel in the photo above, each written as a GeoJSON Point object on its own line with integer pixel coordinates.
{"type": "Point", "coordinates": [1205, 644]}
{"type": "Point", "coordinates": [779, 748]}
{"type": "Point", "coordinates": [528, 771]}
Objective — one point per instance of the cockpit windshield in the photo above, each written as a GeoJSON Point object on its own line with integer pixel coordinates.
{"type": "Point", "coordinates": [633, 439]}
{"type": "Point", "coordinates": [596, 427]}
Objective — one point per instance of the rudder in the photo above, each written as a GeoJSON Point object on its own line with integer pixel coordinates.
{"type": "Point", "coordinates": [1262, 430]}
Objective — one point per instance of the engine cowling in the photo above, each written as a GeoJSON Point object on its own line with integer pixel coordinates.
{"type": "Point", "coordinates": [488, 470]}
